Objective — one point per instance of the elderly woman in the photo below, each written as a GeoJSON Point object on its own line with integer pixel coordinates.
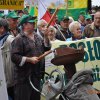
{"type": "Point", "coordinates": [52, 33]}
{"type": "Point", "coordinates": [42, 27]}
{"type": "Point", "coordinates": [75, 29]}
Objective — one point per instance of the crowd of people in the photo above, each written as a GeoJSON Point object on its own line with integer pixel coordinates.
{"type": "Point", "coordinates": [23, 39]}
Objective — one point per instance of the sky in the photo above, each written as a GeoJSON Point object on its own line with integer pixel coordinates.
{"type": "Point", "coordinates": [96, 2]}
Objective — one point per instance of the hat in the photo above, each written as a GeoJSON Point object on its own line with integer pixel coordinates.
{"type": "Point", "coordinates": [27, 18]}
{"type": "Point", "coordinates": [88, 17]}
{"type": "Point", "coordinates": [12, 15]}
{"type": "Point", "coordinates": [64, 18]}
{"type": "Point", "coordinates": [2, 15]}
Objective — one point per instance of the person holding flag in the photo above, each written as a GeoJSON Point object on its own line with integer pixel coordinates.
{"type": "Point", "coordinates": [26, 49]}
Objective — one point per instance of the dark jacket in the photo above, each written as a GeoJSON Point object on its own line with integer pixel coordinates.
{"type": "Point", "coordinates": [91, 31]}
{"type": "Point", "coordinates": [23, 46]}
{"type": "Point", "coordinates": [67, 34]}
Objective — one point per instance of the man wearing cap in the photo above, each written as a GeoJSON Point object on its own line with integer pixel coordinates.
{"type": "Point", "coordinates": [88, 19]}
{"type": "Point", "coordinates": [5, 45]}
{"type": "Point", "coordinates": [26, 48]}
{"type": "Point", "coordinates": [63, 32]}
{"type": "Point", "coordinates": [81, 20]}
{"type": "Point", "coordinates": [20, 13]}
{"type": "Point", "coordinates": [13, 23]}
{"type": "Point", "coordinates": [93, 29]}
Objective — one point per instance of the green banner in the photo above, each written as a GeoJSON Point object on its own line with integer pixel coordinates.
{"type": "Point", "coordinates": [71, 12]}
{"type": "Point", "coordinates": [72, 8]}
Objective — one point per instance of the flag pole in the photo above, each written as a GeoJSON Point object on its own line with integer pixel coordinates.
{"type": "Point", "coordinates": [66, 7]}
{"type": "Point", "coordinates": [53, 16]}
{"type": "Point", "coordinates": [44, 7]}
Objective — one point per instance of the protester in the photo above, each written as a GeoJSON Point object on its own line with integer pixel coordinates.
{"type": "Point", "coordinates": [93, 29]}
{"type": "Point", "coordinates": [20, 13]}
{"type": "Point", "coordinates": [81, 20]}
{"type": "Point", "coordinates": [5, 44]}
{"type": "Point", "coordinates": [75, 29]}
{"type": "Point", "coordinates": [42, 27]}
{"type": "Point", "coordinates": [62, 31]}
{"type": "Point", "coordinates": [88, 19]}
{"type": "Point", "coordinates": [13, 23]}
{"type": "Point", "coordinates": [56, 20]}
{"type": "Point", "coordinates": [52, 33]}
{"type": "Point", "coordinates": [26, 48]}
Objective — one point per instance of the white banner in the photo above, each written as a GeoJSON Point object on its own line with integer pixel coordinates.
{"type": "Point", "coordinates": [3, 89]}
{"type": "Point", "coordinates": [91, 58]}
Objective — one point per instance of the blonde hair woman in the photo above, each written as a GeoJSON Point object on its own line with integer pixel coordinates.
{"type": "Point", "coordinates": [75, 29]}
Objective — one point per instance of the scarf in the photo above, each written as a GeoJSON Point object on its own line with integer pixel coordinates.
{"type": "Point", "coordinates": [3, 38]}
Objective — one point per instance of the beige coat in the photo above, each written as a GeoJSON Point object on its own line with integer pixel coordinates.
{"type": "Point", "coordinates": [7, 63]}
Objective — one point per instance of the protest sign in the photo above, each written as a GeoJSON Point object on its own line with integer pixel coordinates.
{"type": "Point", "coordinates": [12, 4]}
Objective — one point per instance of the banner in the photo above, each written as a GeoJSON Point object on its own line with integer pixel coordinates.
{"type": "Point", "coordinates": [68, 7]}
{"type": "Point", "coordinates": [75, 7]}
{"type": "Point", "coordinates": [3, 89]}
{"type": "Point", "coordinates": [91, 58]}
{"type": "Point", "coordinates": [12, 4]}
